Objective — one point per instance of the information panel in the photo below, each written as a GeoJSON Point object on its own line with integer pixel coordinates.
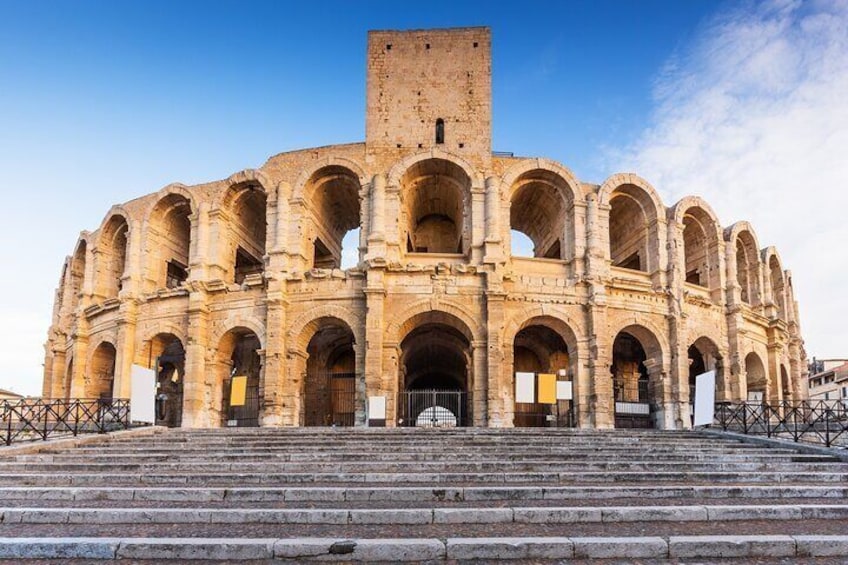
{"type": "Point", "coordinates": [705, 398]}
{"type": "Point", "coordinates": [143, 394]}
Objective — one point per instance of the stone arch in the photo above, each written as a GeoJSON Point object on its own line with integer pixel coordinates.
{"type": "Point", "coordinates": [168, 238]}
{"type": "Point", "coordinates": [246, 177]}
{"type": "Point", "coordinates": [306, 322]}
{"type": "Point", "coordinates": [449, 313]}
{"type": "Point", "coordinates": [100, 376]}
{"type": "Point", "coordinates": [639, 359]}
{"type": "Point", "coordinates": [74, 283]}
{"type": "Point", "coordinates": [245, 205]}
{"type": "Point", "coordinates": [435, 211]}
{"type": "Point", "coordinates": [112, 251]}
{"type": "Point", "coordinates": [541, 196]}
{"type": "Point", "coordinates": [300, 187]}
{"type": "Point", "coordinates": [743, 241]}
{"type": "Point", "coordinates": [557, 319]}
{"type": "Point", "coordinates": [635, 211]}
{"type": "Point", "coordinates": [785, 383]}
{"type": "Point", "coordinates": [756, 376]}
{"type": "Point", "coordinates": [773, 265]}
{"type": "Point", "coordinates": [330, 373]}
{"type": "Point", "coordinates": [237, 354]}
{"type": "Point", "coordinates": [401, 167]}
{"type": "Point", "coordinates": [705, 355]}
{"type": "Point", "coordinates": [333, 204]}
{"type": "Point", "coordinates": [249, 323]}
{"type": "Point", "coordinates": [701, 240]}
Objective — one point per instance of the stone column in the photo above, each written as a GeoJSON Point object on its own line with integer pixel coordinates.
{"type": "Point", "coordinates": [295, 372]}
{"type": "Point", "coordinates": [477, 231]}
{"type": "Point", "coordinates": [80, 354]}
{"type": "Point", "coordinates": [375, 297]}
{"type": "Point", "coordinates": [479, 393]}
{"type": "Point", "coordinates": [377, 227]}
{"type": "Point", "coordinates": [500, 409]}
{"type": "Point", "coordinates": [195, 409]}
{"type": "Point", "coordinates": [125, 346]}
{"type": "Point", "coordinates": [493, 252]}
{"type": "Point", "coordinates": [274, 365]}
{"type": "Point", "coordinates": [199, 249]}
{"type": "Point", "coordinates": [678, 347]}
{"type": "Point", "coordinates": [217, 262]}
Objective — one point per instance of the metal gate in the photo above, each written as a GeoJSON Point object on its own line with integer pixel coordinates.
{"type": "Point", "coordinates": [246, 416]}
{"type": "Point", "coordinates": [535, 415]}
{"type": "Point", "coordinates": [333, 404]}
{"type": "Point", "coordinates": [433, 408]}
{"type": "Point", "coordinates": [633, 415]}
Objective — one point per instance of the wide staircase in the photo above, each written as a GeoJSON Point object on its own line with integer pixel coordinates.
{"type": "Point", "coordinates": [294, 495]}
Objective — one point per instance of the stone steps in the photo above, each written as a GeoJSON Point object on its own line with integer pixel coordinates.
{"type": "Point", "coordinates": [396, 495]}
{"type": "Point", "coordinates": [424, 549]}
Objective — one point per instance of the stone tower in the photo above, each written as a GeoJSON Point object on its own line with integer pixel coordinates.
{"type": "Point", "coordinates": [430, 89]}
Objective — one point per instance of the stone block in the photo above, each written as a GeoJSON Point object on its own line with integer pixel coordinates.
{"type": "Point", "coordinates": [195, 548]}
{"type": "Point", "coordinates": [553, 515]}
{"type": "Point", "coordinates": [821, 546]}
{"type": "Point", "coordinates": [619, 547]}
{"type": "Point", "coordinates": [472, 515]}
{"type": "Point", "coordinates": [731, 546]}
{"type": "Point", "coordinates": [58, 548]}
{"type": "Point", "coordinates": [654, 514]}
{"type": "Point", "coordinates": [392, 516]}
{"type": "Point", "coordinates": [510, 548]}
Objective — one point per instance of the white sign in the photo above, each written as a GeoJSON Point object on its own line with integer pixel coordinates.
{"type": "Point", "coordinates": [756, 396]}
{"type": "Point", "coordinates": [705, 398]}
{"type": "Point", "coordinates": [143, 394]}
{"type": "Point", "coordinates": [564, 390]}
{"type": "Point", "coordinates": [376, 407]}
{"type": "Point", "coordinates": [525, 387]}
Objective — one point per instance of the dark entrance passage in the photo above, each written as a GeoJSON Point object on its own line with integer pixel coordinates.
{"type": "Point", "coordinates": [540, 350]}
{"type": "Point", "coordinates": [633, 406]}
{"type": "Point", "coordinates": [329, 388]}
{"type": "Point", "coordinates": [435, 363]}
{"type": "Point", "coordinates": [170, 368]}
{"type": "Point", "coordinates": [241, 388]}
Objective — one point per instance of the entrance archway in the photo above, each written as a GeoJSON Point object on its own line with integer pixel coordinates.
{"type": "Point", "coordinates": [755, 378]}
{"type": "Point", "coordinates": [101, 378]}
{"type": "Point", "coordinates": [330, 384]}
{"type": "Point", "coordinates": [435, 370]}
{"type": "Point", "coordinates": [169, 355]}
{"type": "Point", "coordinates": [239, 351]}
{"type": "Point", "coordinates": [703, 357]}
{"type": "Point", "coordinates": [542, 351]}
{"type": "Point", "coordinates": [636, 373]}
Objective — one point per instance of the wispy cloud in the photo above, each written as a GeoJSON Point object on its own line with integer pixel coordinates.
{"type": "Point", "coordinates": [754, 118]}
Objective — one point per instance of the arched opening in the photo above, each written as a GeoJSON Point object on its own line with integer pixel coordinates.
{"type": "Point", "coordinates": [168, 355]}
{"type": "Point", "coordinates": [700, 248]}
{"type": "Point", "coordinates": [440, 131]}
{"type": "Point", "coordinates": [541, 358]}
{"type": "Point", "coordinates": [540, 209]}
{"type": "Point", "coordinates": [168, 242]}
{"type": "Point", "coordinates": [76, 277]}
{"type": "Point", "coordinates": [703, 357]}
{"type": "Point", "coordinates": [785, 384]}
{"type": "Point", "coordinates": [248, 229]}
{"type": "Point", "coordinates": [755, 378]}
{"type": "Point", "coordinates": [435, 370]}
{"type": "Point", "coordinates": [777, 286]}
{"type": "Point", "coordinates": [636, 374]}
{"type": "Point", "coordinates": [112, 258]}
{"type": "Point", "coordinates": [434, 194]}
{"type": "Point", "coordinates": [69, 379]}
{"type": "Point", "coordinates": [100, 379]}
{"type": "Point", "coordinates": [330, 383]}
{"type": "Point", "coordinates": [747, 268]}
{"type": "Point", "coordinates": [239, 354]}
{"type": "Point", "coordinates": [333, 194]}
{"type": "Point", "coordinates": [630, 216]}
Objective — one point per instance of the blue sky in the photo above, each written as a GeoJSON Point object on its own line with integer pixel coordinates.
{"type": "Point", "coordinates": [101, 102]}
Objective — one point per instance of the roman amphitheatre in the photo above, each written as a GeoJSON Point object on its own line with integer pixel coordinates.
{"type": "Point", "coordinates": [624, 299]}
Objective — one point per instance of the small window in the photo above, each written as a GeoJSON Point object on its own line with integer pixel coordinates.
{"type": "Point", "coordinates": [475, 44]}
{"type": "Point", "coordinates": [440, 131]}
{"type": "Point", "coordinates": [246, 264]}
{"type": "Point", "coordinates": [426, 46]}
{"type": "Point", "coordinates": [177, 274]}
{"type": "Point", "coordinates": [388, 46]}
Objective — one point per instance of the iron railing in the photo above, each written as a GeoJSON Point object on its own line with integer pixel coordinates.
{"type": "Point", "coordinates": [41, 418]}
{"type": "Point", "coordinates": [433, 408]}
{"type": "Point", "coordinates": [824, 422]}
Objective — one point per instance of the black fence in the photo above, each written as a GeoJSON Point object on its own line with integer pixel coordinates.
{"type": "Point", "coordinates": [433, 408]}
{"type": "Point", "coordinates": [634, 415]}
{"type": "Point", "coordinates": [823, 422]}
{"type": "Point", "coordinates": [245, 415]}
{"type": "Point", "coordinates": [538, 415]}
{"type": "Point", "coordinates": [41, 419]}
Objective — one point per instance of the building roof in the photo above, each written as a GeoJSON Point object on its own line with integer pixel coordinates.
{"type": "Point", "coordinates": [4, 392]}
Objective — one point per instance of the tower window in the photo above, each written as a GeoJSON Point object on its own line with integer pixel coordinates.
{"type": "Point", "coordinates": [440, 131]}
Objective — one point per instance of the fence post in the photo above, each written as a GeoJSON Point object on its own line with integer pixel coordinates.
{"type": "Point", "coordinates": [8, 412]}
{"type": "Point", "coordinates": [827, 426]}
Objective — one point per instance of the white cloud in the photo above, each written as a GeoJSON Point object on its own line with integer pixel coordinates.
{"type": "Point", "coordinates": [754, 118]}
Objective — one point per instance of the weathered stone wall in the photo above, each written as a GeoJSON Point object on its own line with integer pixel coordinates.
{"type": "Point", "coordinates": [114, 289]}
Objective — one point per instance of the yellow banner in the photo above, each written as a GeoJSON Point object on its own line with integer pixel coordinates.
{"type": "Point", "coordinates": [547, 388]}
{"type": "Point", "coordinates": [238, 390]}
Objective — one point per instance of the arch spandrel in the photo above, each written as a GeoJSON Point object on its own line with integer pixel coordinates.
{"type": "Point", "coordinates": [515, 172]}
{"type": "Point", "coordinates": [399, 169]}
